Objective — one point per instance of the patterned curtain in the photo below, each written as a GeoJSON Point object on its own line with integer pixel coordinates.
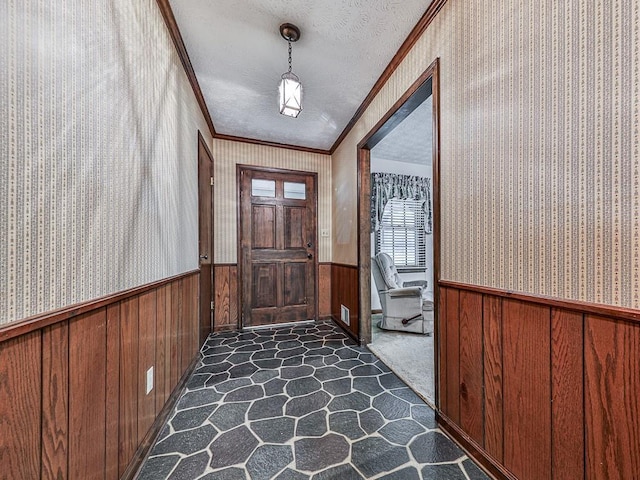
{"type": "Point", "coordinates": [385, 186]}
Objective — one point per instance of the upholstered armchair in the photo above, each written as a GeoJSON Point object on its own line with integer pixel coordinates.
{"type": "Point", "coordinates": [402, 302]}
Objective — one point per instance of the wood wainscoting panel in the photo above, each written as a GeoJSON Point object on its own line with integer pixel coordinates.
{"type": "Point", "coordinates": [471, 366]}
{"type": "Point", "coordinates": [567, 394]}
{"type": "Point", "coordinates": [190, 331]}
{"type": "Point", "coordinates": [612, 398]}
{"type": "Point", "coordinates": [87, 382]}
{"type": "Point", "coordinates": [324, 290]}
{"type": "Point", "coordinates": [452, 356]}
{"type": "Point", "coordinates": [161, 386]}
{"type": "Point", "coordinates": [443, 392]}
{"type": "Point", "coordinates": [55, 401]}
{"type": "Point", "coordinates": [526, 386]}
{"type": "Point", "coordinates": [561, 384]}
{"type": "Point", "coordinates": [147, 305]}
{"type": "Point", "coordinates": [20, 413]}
{"type": "Point", "coordinates": [112, 401]}
{"type": "Point", "coordinates": [73, 401]}
{"type": "Point", "coordinates": [174, 334]}
{"type": "Point", "coordinates": [344, 291]}
{"type": "Point", "coordinates": [234, 300]}
{"type": "Point", "coordinates": [128, 425]}
{"type": "Point", "coordinates": [492, 340]}
{"type": "Point", "coordinates": [225, 313]}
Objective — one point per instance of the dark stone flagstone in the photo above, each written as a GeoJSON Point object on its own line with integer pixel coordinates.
{"type": "Point", "coordinates": [300, 406]}
{"type": "Point", "coordinates": [268, 460]}
{"type": "Point", "coordinates": [245, 394]}
{"type": "Point", "coordinates": [188, 442]}
{"type": "Point", "coordinates": [302, 386]}
{"type": "Point", "coordinates": [371, 420]}
{"type": "Point", "coordinates": [197, 398]}
{"type": "Point", "coordinates": [313, 425]}
{"type": "Point", "coordinates": [234, 383]}
{"type": "Point", "coordinates": [409, 473]}
{"type": "Point", "coordinates": [296, 372]}
{"type": "Point", "coordinates": [274, 387]}
{"type": "Point", "coordinates": [313, 454]}
{"type": "Point", "coordinates": [289, 474]}
{"type": "Point", "coordinates": [374, 455]}
{"type": "Point", "coordinates": [232, 447]}
{"type": "Point", "coordinates": [368, 385]}
{"type": "Point", "coordinates": [424, 415]}
{"type": "Point", "coordinates": [191, 418]}
{"type": "Point", "coordinates": [267, 407]}
{"type": "Point", "coordinates": [190, 467]}
{"type": "Point", "coordinates": [434, 447]}
{"type": "Point", "coordinates": [274, 430]}
{"type": "Point", "coordinates": [341, 472]}
{"type": "Point", "coordinates": [473, 471]}
{"type": "Point", "coordinates": [232, 473]}
{"type": "Point", "coordinates": [401, 431]}
{"type": "Point", "coordinates": [229, 415]}
{"type": "Point", "coordinates": [242, 370]}
{"type": "Point", "coordinates": [351, 401]}
{"type": "Point", "coordinates": [158, 467]}
{"type": "Point", "coordinates": [392, 408]}
{"type": "Point", "coordinates": [438, 472]}
{"type": "Point", "coordinates": [347, 424]}
{"type": "Point", "coordinates": [337, 387]}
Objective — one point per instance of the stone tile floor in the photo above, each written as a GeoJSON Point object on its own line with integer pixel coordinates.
{"type": "Point", "coordinates": [298, 403]}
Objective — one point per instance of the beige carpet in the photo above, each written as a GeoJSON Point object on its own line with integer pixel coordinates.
{"type": "Point", "coordinates": [408, 355]}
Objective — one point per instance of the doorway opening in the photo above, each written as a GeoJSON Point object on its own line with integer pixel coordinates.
{"type": "Point", "coordinates": [277, 246]}
{"type": "Point", "coordinates": [399, 236]}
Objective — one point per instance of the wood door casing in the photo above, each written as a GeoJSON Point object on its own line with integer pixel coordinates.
{"type": "Point", "coordinates": [205, 237]}
{"type": "Point", "coordinates": [278, 264]}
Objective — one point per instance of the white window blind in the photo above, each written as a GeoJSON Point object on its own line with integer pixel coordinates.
{"type": "Point", "coordinates": [402, 234]}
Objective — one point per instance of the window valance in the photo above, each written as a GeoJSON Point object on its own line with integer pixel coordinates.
{"type": "Point", "coordinates": [385, 186]}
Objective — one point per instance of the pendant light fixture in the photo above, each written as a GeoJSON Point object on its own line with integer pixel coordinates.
{"type": "Point", "coordinates": [290, 89]}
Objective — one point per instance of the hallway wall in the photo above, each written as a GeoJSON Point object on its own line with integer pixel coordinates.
{"type": "Point", "coordinates": [227, 155]}
{"type": "Point", "coordinates": [98, 146]}
{"type": "Point", "coordinates": [539, 168]}
{"type": "Point", "coordinates": [540, 147]}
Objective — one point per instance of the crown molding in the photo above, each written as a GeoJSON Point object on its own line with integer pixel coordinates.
{"type": "Point", "coordinates": [254, 141]}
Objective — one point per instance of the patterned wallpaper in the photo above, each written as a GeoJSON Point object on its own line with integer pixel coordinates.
{"type": "Point", "coordinates": [98, 152]}
{"type": "Point", "coordinates": [227, 155]}
{"type": "Point", "coordinates": [540, 146]}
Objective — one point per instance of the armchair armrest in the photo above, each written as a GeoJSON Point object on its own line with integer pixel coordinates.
{"type": "Point", "coordinates": [416, 283]}
{"type": "Point", "coordinates": [405, 292]}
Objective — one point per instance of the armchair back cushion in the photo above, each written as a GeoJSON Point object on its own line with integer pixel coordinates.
{"type": "Point", "coordinates": [388, 271]}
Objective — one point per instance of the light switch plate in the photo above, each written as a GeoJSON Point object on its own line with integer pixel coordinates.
{"type": "Point", "coordinates": [324, 232]}
{"type": "Point", "coordinates": [149, 380]}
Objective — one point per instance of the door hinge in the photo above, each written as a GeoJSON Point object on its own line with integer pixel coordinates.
{"type": "Point", "coordinates": [212, 306]}
{"type": "Point", "coordinates": [211, 180]}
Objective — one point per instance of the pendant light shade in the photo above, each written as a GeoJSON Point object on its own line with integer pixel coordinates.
{"type": "Point", "coordinates": [290, 95]}
{"type": "Point", "coordinates": [290, 88]}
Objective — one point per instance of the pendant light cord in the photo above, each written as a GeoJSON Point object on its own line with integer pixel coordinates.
{"type": "Point", "coordinates": [289, 42]}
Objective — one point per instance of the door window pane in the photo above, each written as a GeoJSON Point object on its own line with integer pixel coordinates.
{"type": "Point", "coordinates": [295, 191]}
{"type": "Point", "coordinates": [263, 188]}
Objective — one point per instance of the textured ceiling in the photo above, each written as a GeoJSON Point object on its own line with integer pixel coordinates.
{"type": "Point", "coordinates": [238, 56]}
{"type": "Point", "coordinates": [411, 140]}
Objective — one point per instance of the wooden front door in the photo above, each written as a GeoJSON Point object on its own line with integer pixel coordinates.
{"type": "Point", "coordinates": [277, 246]}
{"type": "Point", "coordinates": [205, 240]}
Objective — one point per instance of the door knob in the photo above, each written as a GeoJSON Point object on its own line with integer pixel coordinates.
{"type": "Point", "coordinates": [204, 257]}
{"type": "Point", "coordinates": [309, 245]}
{"type": "Point", "coordinates": [309, 255]}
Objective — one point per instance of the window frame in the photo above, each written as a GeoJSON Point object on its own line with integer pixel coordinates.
{"type": "Point", "coordinates": [419, 229]}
